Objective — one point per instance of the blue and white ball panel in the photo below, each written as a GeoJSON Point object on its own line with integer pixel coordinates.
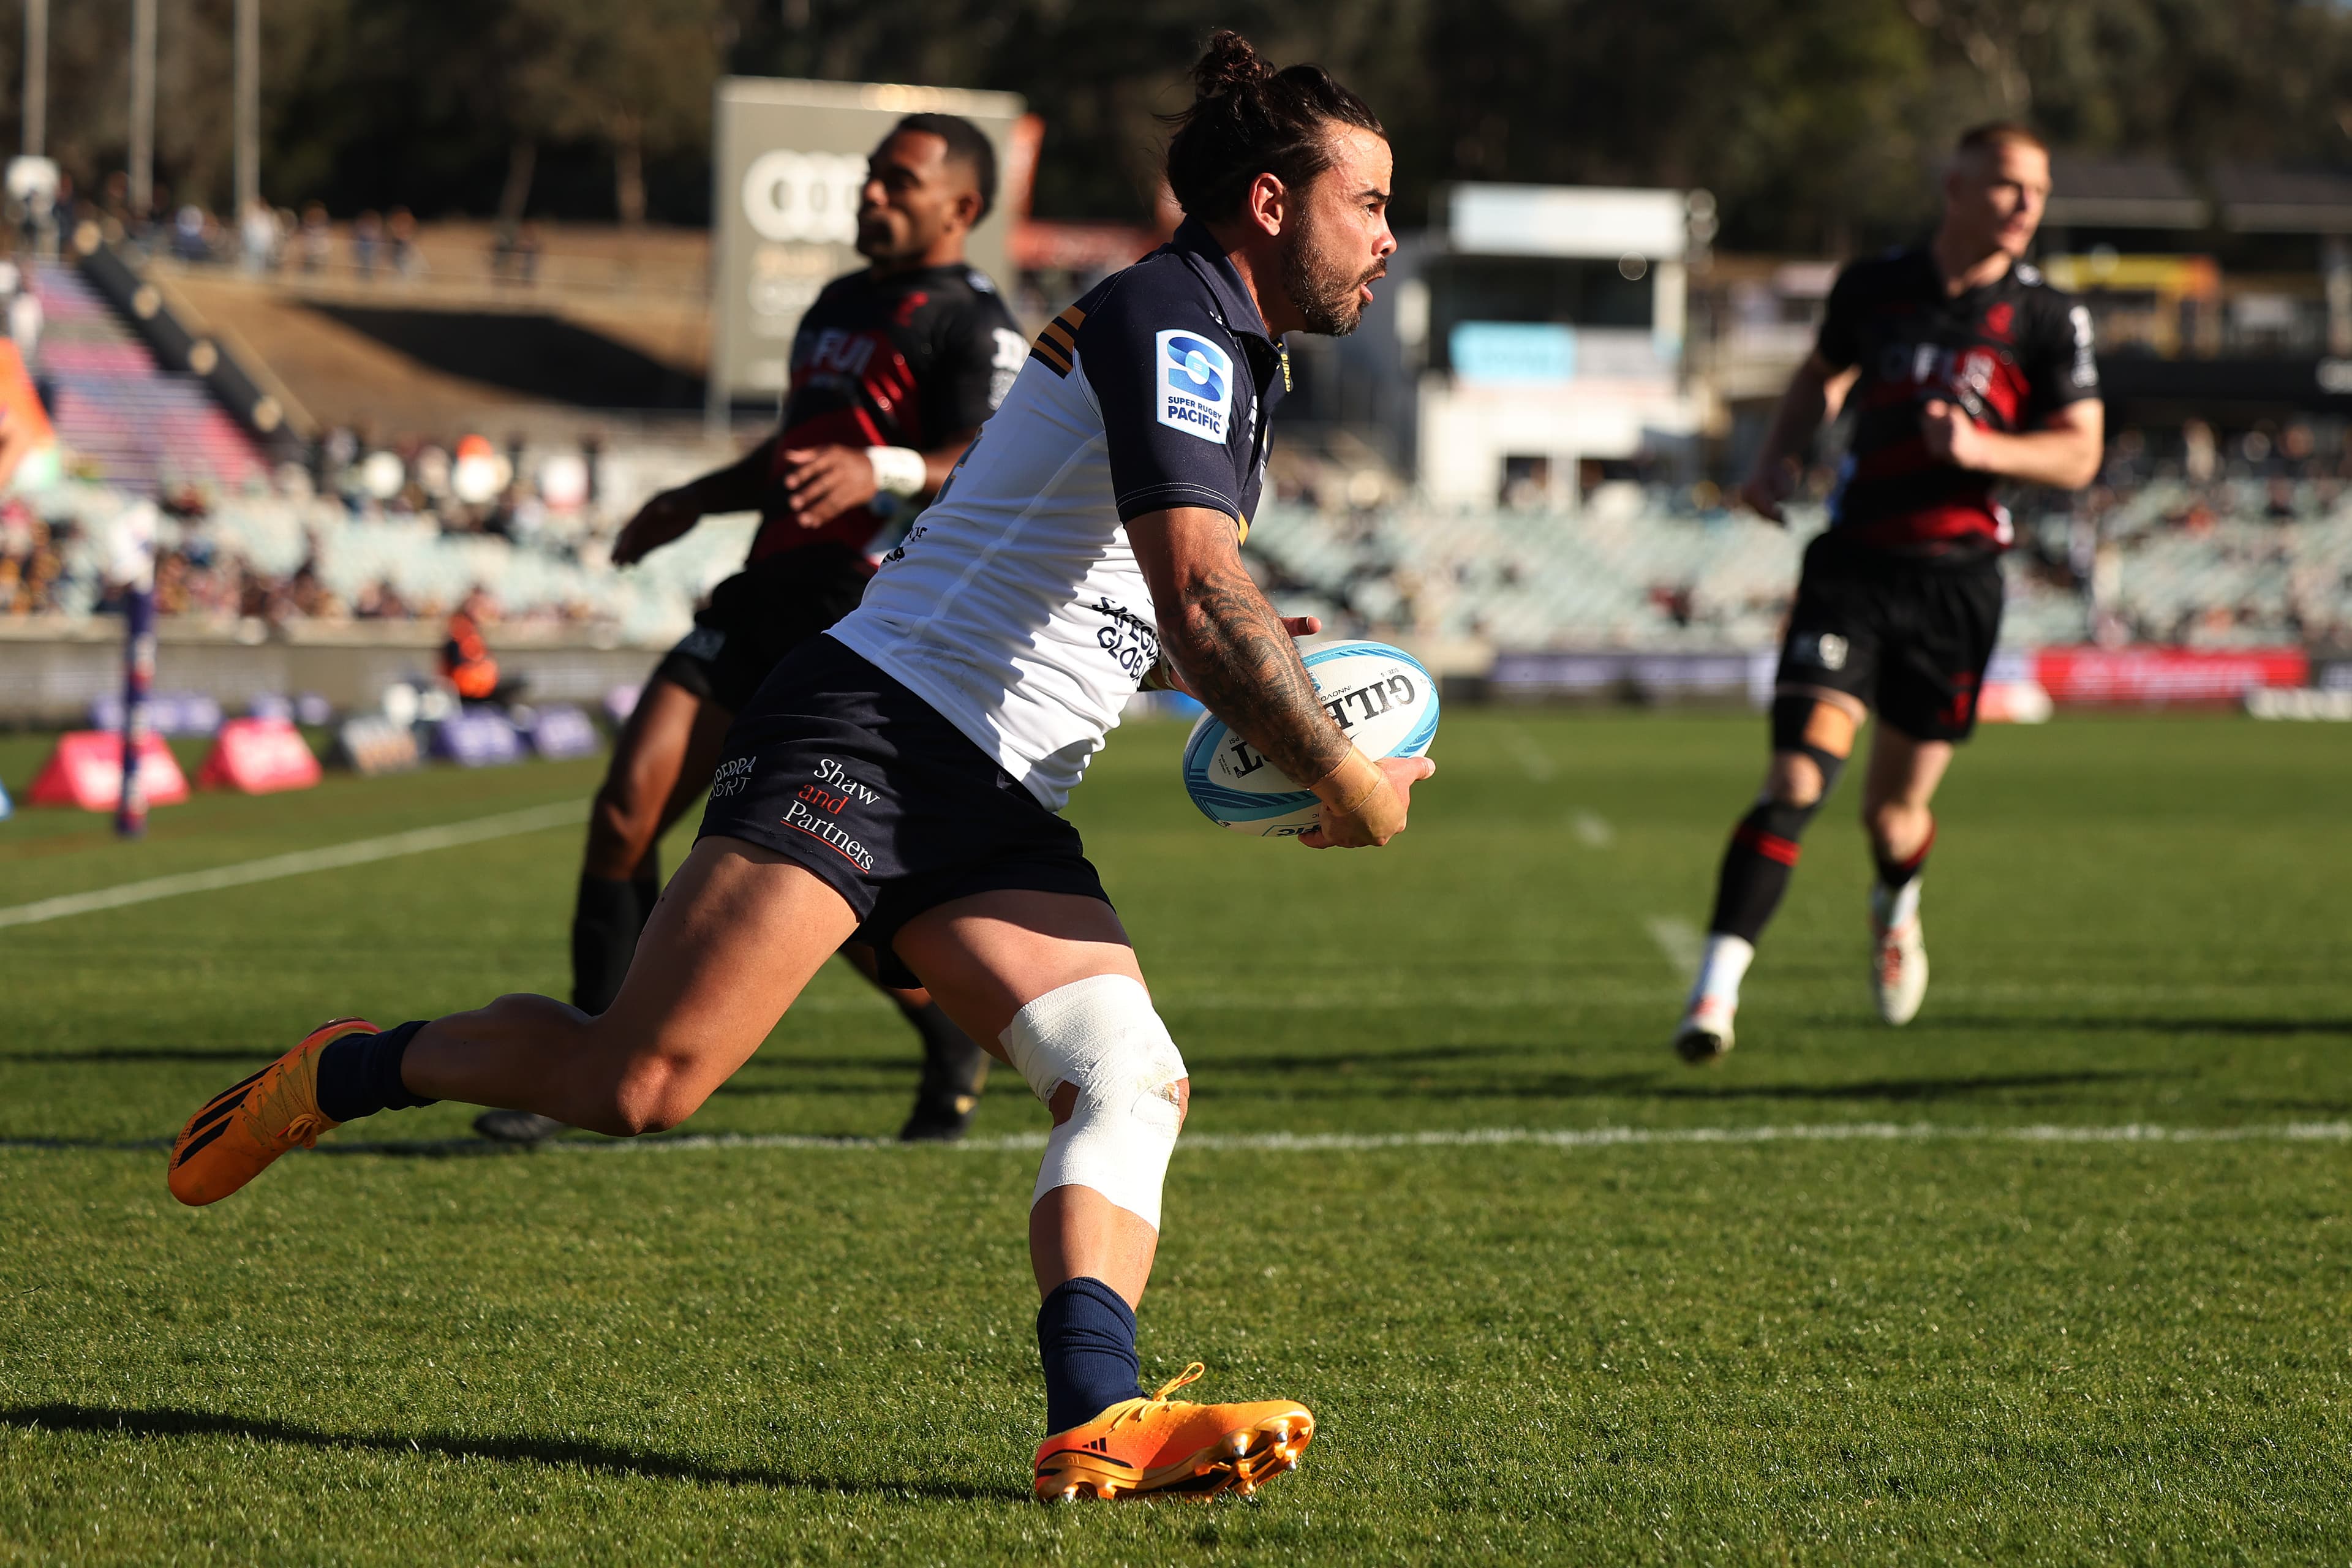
{"type": "Point", "coordinates": [1380, 696]}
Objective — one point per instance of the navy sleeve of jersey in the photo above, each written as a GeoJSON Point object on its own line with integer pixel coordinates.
{"type": "Point", "coordinates": [1839, 342]}
{"type": "Point", "coordinates": [1175, 396]}
{"type": "Point", "coordinates": [978, 353]}
{"type": "Point", "coordinates": [2061, 363]}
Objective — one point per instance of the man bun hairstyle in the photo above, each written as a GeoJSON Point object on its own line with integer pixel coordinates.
{"type": "Point", "coordinates": [967, 144]}
{"type": "Point", "coordinates": [1248, 119]}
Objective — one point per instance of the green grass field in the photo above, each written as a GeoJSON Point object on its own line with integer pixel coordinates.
{"type": "Point", "coordinates": [1943, 1338]}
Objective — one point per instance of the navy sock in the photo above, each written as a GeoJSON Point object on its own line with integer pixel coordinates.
{"type": "Point", "coordinates": [359, 1075]}
{"type": "Point", "coordinates": [1085, 1336]}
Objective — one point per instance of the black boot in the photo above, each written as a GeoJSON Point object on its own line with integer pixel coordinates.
{"type": "Point", "coordinates": [954, 1070]}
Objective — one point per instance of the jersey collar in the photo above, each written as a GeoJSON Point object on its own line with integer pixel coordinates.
{"type": "Point", "coordinates": [1200, 251]}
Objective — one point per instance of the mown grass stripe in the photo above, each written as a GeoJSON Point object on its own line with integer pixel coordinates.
{"type": "Point", "coordinates": [1316, 1142]}
{"type": "Point", "coordinates": [333, 856]}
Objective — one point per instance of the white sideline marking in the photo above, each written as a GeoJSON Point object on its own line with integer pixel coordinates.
{"type": "Point", "coordinates": [1679, 941]}
{"type": "Point", "coordinates": [1315, 1142]}
{"type": "Point", "coordinates": [1532, 759]}
{"type": "Point", "coordinates": [1594, 829]}
{"type": "Point", "coordinates": [1553, 1138]}
{"type": "Point", "coordinates": [359, 852]}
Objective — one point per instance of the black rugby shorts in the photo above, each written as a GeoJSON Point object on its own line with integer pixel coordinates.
{"type": "Point", "coordinates": [845, 772]}
{"type": "Point", "coordinates": [760, 614]}
{"type": "Point", "coordinates": [1910, 638]}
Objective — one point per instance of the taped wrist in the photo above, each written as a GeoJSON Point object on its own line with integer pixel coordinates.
{"type": "Point", "coordinates": [1355, 788]}
{"type": "Point", "coordinates": [897, 470]}
{"type": "Point", "coordinates": [1102, 1037]}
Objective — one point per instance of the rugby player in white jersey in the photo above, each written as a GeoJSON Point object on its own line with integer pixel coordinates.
{"type": "Point", "coordinates": [899, 779]}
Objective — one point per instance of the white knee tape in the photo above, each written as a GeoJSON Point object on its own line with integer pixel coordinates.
{"type": "Point", "coordinates": [1101, 1036]}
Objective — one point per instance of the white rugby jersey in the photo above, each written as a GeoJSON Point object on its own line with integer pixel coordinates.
{"type": "Point", "coordinates": [1015, 606]}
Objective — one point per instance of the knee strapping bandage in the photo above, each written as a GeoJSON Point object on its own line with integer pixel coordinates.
{"type": "Point", "coordinates": [1101, 1036]}
{"type": "Point", "coordinates": [1792, 716]}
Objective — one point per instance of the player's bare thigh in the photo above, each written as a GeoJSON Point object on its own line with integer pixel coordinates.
{"type": "Point", "coordinates": [987, 956]}
{"type": "Point", "coordinates": [736, 936]}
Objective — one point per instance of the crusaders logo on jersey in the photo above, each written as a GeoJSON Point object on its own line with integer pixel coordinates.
{"type": "Point", "coordinates": [1999, 321]}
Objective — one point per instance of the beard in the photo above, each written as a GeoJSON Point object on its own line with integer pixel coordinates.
{"type": "Point", "coordinates": [1322, 287]}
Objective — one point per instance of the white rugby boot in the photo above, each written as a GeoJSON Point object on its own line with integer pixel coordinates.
{"type": "Point", "coordinates": [1899, 952]}
{"type": "Point", "coordinates": [1705, 1033]}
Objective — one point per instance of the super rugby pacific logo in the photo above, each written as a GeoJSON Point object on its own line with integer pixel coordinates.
{"type": "Point", "coordinates": [1195, 385]}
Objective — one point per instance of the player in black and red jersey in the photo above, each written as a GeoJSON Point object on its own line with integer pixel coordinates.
{"type": "Point", "coordinates": [1964, 369]}
{"type": "Point", "coordinates": [894, 368]}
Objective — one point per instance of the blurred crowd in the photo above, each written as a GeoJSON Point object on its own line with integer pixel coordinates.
{"type": "Point", "coordinates": [260, 238]}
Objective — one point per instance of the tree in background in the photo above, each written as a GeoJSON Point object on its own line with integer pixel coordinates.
{"type": "Point", "coordinates": [634, 75]}
{"type": "Point", "coordinates": [1815, 122]}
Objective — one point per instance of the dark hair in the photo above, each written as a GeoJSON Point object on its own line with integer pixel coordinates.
{"type": "Point", "coordinates": [966, 144]}
{"type": "Point", "coordinates": [1248, 119]}
{"type": "Point", "coordinates": [1995, 133]}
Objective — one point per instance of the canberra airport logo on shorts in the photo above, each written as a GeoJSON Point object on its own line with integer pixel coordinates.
{"type": "Point", "coordinates": [1196, 388]}
{"type": "Point", "coordinates": [733, 777]}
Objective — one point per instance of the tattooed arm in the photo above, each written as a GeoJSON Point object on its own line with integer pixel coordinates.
{"type": "Point", "coordinates": [1235, 655]}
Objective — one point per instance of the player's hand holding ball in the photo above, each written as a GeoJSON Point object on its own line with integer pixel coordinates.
{"type": "Point", "coordinates": [1385, 703]}
{"type": "Point", "coordinates": [1365, 802]}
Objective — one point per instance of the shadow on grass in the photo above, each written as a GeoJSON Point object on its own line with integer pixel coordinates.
{"type": "Point", "coordinates": [604, 1458]}
{"type": "Point", "coordinates": [2257, 1028]}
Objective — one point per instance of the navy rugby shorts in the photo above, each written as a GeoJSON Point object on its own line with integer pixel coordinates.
{"type": "Point", "coordinates": [760, 614]}
{"type": "Point", "coordinates": [845, 772]}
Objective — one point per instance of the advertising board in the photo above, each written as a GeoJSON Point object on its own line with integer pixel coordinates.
{"type": "Point", "coordinates": [789, 162]}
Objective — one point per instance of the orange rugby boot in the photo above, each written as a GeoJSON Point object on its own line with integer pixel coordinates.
{"type": "Point", "coordinates": [248, 1124]}
{"type": "Point", "coordinates": [1141, 1447]}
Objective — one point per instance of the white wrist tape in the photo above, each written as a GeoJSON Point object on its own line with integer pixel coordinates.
{"type": "Point", "coordinates": [1101, 1036]}
{"type": "Point", "coordinates": [898, 470]}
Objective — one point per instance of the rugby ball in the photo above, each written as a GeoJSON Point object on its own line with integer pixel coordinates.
{"type": "Point", "coordinates": [1380, 697]}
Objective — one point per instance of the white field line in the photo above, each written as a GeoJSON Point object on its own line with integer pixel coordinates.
{"type": "Point", "coordinates": [359, 852]}
{"type": "Point", "coordinates": [1679, 941]}
{"type": "Point", "coordinates": [1532, 758]}
{"type": "Point", "coordinates": [1550, 1138]}
{"type": "Point", "coordinates": [2136, 1132]}
{"type": "Point", "coordinates": [1593, 829]}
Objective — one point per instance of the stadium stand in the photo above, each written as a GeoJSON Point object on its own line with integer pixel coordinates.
{"type": "Point", "coordinates": [2242, 562]}
{"type": "Point", "coordinates": [130, 422]}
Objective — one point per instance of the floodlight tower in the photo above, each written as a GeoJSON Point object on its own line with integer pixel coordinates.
{"type": "Point", "coordinates": [249, 105]}
{"type": "Point", "coordinates": [142, 105]}
{"type": "Point", "coordinates": [36, 78]}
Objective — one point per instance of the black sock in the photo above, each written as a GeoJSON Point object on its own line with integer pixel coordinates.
{"type": "Point", "coordinates": [1756, 869]}
{"type": "Point", "coordinates": [647, 886]}
{"type": "Point", "coordinates": [953, 1063]}
{"type": "Point", "coordinates": [1895, 873]}
{"type": "Point", "coordinates": [605, 921]}
{"type": "Point", "coordinates": [1085, 1336]}
{"type": "Point", "coordinates": [359, 1075]}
